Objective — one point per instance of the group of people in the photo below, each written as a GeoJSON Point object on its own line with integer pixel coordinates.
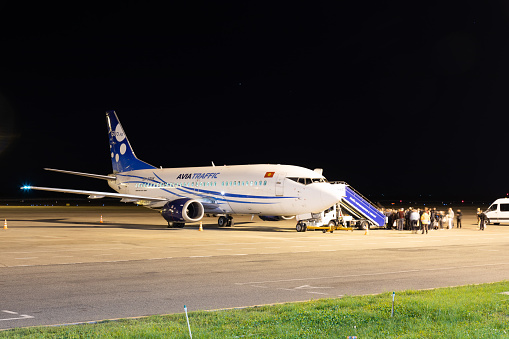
{"type": "Point", "coordinates": [421, 219]}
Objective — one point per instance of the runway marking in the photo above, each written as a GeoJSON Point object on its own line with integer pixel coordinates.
{"type": "Point", "coordinates": [27, 258]}
{"type": "Point", "coordinates": [370, 274]}
{"type": "Point", "coordinates": [308, 287]}
{"type": "Point", "coordinates": [20, 317]}
{"type": "Point", "coordinates": [304, 288]}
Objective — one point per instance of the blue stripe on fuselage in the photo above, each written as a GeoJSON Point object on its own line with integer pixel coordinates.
{"type": "Point", "coordinates": [221, 196]}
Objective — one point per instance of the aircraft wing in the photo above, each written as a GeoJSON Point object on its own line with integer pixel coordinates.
{"type": "Point", "coordinates": [97, 195]}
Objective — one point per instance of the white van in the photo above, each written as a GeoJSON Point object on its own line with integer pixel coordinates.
{"type": "Point", "coordinates": [498, 211]}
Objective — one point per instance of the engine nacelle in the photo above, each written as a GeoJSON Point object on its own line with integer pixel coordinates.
{"type": "Point", "coordinates": [183, 210]}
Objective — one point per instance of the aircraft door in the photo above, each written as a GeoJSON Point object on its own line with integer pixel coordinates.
{"type": "Point", "coordinates": [280, 183]}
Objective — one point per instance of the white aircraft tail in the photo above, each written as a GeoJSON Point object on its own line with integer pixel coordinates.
{"type": "Point", "coordinates": [123, 158]}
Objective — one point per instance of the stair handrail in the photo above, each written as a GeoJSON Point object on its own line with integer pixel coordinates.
{"type": "Point", "coordinates": [356, 192]}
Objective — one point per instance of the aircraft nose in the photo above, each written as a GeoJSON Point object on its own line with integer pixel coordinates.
{"type": "Point", "coordinates": [330, 194]}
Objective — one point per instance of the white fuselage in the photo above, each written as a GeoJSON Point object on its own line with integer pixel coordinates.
{"type": "Point", "coordinates": [281, 190]}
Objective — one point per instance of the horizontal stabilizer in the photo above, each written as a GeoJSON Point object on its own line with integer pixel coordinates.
{"type": "Point", "coordinates": [94, 194]}
{"type": "Point", "coordinates": [97, 176]}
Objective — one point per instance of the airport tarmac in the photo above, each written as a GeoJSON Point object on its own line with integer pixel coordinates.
{"type": "Point", "coordinates": [62, 265]}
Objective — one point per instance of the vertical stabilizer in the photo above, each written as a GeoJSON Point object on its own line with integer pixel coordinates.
{"type": "Point", "coordinates": [122, 155]}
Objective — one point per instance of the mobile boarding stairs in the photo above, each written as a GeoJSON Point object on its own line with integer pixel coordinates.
{"type": "Point", "coordinates": [353, 210]}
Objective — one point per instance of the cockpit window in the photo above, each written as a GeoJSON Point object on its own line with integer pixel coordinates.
{"type": "Point", "coordinates": [307, 181]}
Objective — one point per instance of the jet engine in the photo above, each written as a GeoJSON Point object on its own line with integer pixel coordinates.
{"type": "Point", "coordinates": [183, 210]}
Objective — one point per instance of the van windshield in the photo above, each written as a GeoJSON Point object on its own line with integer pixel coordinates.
{"type": "Point", "coordinates": [493, 207]}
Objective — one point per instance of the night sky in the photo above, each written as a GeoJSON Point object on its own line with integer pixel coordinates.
{"type": "Point", "coordinates": [401, 101]}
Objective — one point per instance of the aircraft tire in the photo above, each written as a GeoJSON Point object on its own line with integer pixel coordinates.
{"type": "Point", "coordinates": [222, 221]}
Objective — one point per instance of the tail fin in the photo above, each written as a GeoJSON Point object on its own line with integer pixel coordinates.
{"type": "Point", "coordinates": [122, 155]}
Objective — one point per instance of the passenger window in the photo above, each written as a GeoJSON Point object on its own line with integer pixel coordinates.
{"type": "Point", "coordinates": [504, 207]}
{"type": "Point", "coordinates": [265, 183]}
{"type": "Point", "coordinates": [250, 183]}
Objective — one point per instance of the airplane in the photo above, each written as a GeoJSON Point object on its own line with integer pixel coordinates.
{"type": "Point", "coordinates": [186, 194]}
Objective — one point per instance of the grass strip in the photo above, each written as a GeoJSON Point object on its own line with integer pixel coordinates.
{"type": "Point", "coordinates": [473, 311]}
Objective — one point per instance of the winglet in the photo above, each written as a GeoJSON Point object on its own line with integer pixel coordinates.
{"type": "Point", "coordinates": [123, 158]}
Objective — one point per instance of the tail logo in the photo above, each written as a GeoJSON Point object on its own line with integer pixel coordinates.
{"type": "Point", "coordinates": [119, 133]}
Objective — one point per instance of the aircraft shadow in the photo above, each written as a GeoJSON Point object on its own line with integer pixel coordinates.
{"type": "Point", "coordinates": [248, 226]}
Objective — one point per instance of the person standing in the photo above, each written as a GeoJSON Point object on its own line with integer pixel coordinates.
{"type": "Point", "coordinates": [451, 218]}
{"type": "Point", "coordinates": [414, 220]}
{"type": "Point", "coordinates": [390, 218]}
{"type": "Point", "coordinates": [459, 215]}
{"type": "Point", "coordinates": [483, 218]}
{"type": "Point", "coordinates": [433, 218]}
{"type": "Point", "coordinates": [401, 219]}
{"type": "Point", "coordinates": [425, 220]}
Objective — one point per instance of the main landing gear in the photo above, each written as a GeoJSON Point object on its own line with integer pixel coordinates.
{"type": "Point", "coordinates": [225, 221]}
